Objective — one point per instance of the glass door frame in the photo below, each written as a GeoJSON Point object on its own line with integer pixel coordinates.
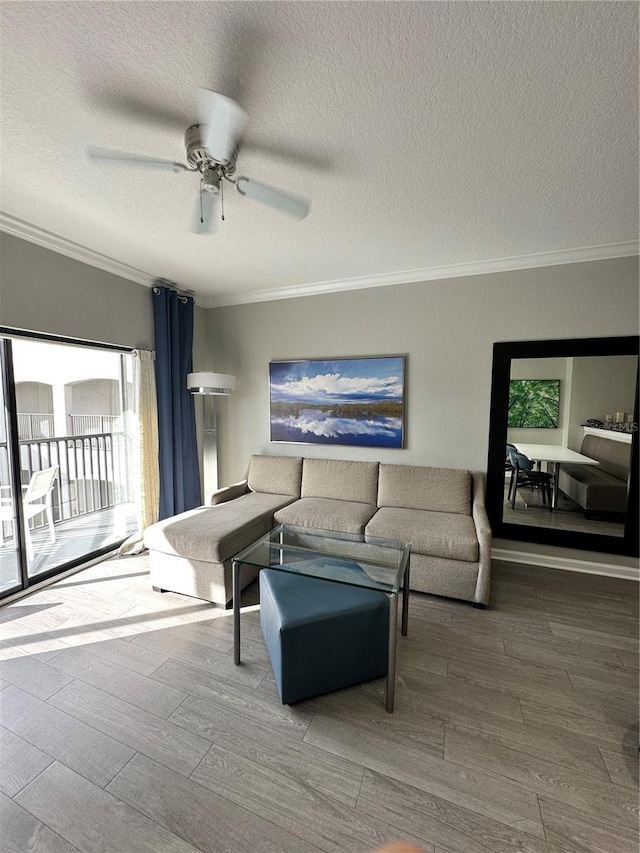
{"type": "Point", "coordinates": [13, 453]}
{"type": "Point", "coordinates": [7, 334]}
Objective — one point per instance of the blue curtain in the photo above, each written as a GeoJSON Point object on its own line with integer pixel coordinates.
{"type": "Point", "coordinates": [178, 454]}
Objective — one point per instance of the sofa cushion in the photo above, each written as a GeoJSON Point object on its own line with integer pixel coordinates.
{"type": "Point", "coordinates": [215, 533]}
{"type": "Point", "coordinates": [275, 475]}
{"type": "Point", "coordinates": [416, 487]}
{"type": "Point", "coordinates": [339, 479]}
{"type": "Point", "coordinates": [327, 514]}
{"type": "Point", "coordinates": [614, 456]}
{"type": "Point", "coordinates": [435, 534]}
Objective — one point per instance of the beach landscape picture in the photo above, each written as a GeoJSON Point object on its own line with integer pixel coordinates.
{"type": "Point", "coordinates": [352, 401]}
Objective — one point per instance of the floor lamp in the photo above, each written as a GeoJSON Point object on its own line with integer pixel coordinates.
{"type": "Point", "coordinates": [210, 385]}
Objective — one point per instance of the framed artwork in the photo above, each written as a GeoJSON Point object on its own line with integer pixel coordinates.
{"type": "Point", "coordinates": [353, 401]}
{"type": "Point", "coordinates": [534, 403]}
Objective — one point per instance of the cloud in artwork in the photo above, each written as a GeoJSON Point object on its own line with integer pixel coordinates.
{"type": "Point", "coordinates": [334, 387]}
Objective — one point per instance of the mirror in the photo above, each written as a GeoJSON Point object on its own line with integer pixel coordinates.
{"type": "Point", "coordinates": [563, 463]}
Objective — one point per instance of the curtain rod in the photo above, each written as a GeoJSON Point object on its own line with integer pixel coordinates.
{"type": "Point", "coordinates": [182, 298]}
{"type": "Point", "coordinates": [172, 286]}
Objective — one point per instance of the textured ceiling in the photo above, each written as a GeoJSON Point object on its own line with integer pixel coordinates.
{"type": "Point", "coordinates": [429, 133]}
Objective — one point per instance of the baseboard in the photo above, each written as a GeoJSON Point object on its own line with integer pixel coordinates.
{"type": "Point", "coordinates": [568, 564]}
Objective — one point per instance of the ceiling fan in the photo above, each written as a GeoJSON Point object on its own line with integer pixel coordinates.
{"type": "Point", "coordinates": [211, 150]}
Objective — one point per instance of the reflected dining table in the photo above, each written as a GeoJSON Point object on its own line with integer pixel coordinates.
{"type": "Point", "coordinates": [555, 455]}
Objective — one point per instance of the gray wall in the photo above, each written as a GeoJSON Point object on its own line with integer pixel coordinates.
{"type": "Point", "coordinates": [600, 386]}
{"type": "Point", "coordinates": [43, 291]}
{"type": "Point", "coordinates": [447, 330]}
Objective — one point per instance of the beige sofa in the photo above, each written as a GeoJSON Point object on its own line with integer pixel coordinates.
{"type": "Point", "coordinates": [439, 510]}
{"type": "Point", "coordinates": [601, 488]}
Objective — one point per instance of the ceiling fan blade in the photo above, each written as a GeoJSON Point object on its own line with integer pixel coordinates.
{"type": "Point", "coordinates": [225, 120]}
{"type": "Point", "coordinates": [316, 161]}
{"type": "Point", "coordinates": [124, 158]}
{"type": "Point", "coordinates": [291, 205]}
{"type": "Point", "coordinates": [146, 110]}
{"type": "Point", "coordinates": [204, 213]}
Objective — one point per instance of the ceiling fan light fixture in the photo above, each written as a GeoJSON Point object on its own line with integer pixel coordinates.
{"type": "Point", "coordinates": [211, 181]}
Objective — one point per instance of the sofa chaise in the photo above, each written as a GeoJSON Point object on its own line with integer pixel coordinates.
{"type": "Point", "coordinates": [441, 511]}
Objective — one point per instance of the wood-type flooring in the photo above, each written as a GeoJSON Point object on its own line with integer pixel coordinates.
{"type": "Point", "coordinates": [125, 726]}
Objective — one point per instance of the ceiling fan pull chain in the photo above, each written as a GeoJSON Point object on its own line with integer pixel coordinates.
{"type": "Point", "coordinates": [222, 198]}
{"type": "Point", "coordinates": [201, 210]}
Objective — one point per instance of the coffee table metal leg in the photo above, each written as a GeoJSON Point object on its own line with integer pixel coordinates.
{"type": "Point", "coordinates": [235, 573]}
{"type": "Point", "coordinates": [390, 691]}
{"type": "Point", "coordinates": [405, 601]}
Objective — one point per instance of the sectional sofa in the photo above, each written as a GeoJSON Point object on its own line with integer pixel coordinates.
{"type": "Point", "coordinates": [441, 511]}
{"type": "Point", "coordinates": [601, 488]}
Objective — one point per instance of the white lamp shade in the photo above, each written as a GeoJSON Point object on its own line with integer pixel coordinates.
{"type": "Point", "coordinates": [211, 383]}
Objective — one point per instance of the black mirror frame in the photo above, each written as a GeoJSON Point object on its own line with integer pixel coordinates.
{"type": "Point", "coordinates": [503, 354]}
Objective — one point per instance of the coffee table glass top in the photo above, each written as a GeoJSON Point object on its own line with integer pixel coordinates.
{"type": "Point", "coordinates": [370, 562]}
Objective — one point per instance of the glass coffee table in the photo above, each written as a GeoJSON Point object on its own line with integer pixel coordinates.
{"type": "Point", "coordinates": [364, 561]}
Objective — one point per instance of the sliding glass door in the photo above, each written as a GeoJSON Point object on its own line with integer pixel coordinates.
{"type": "Point", "coordinates": [65, 483]}
{"type": "Point", "coordinates": [10, 564]}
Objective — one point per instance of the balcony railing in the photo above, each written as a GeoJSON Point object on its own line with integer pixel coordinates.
{"type": "Point", "coordinates": [35, 425]}
{"type": "Point", "coordinates": [91, 424]}
{"type": "Point", "coordinates": [41, 424]}
{"type": "Point", "coordinates": [92, 471]}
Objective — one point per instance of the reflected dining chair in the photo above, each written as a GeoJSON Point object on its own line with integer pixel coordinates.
{"type": "Point", "coordinates": [523, 474]}
{"type": "Point", "coordinates": [37, 500]}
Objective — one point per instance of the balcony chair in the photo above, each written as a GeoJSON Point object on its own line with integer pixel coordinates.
{"type": "Point", "coordinates": [37, 500]}
{"type": "Point", "coordinates": [522, 474]}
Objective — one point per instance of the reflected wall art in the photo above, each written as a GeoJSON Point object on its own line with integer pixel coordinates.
{"type": "Point", "coordinates": [534, 403]}
{"type": "Point", "coordinates": [353, 401]}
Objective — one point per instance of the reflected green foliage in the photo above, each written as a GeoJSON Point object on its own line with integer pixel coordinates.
{"type": "Point", "coordinates": [534, 403]}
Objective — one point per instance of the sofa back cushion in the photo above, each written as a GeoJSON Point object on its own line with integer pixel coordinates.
{"type": "Point", "coordinates": [417, 487]}
{"type": "Point", "coordinates": [341, 480]}
{"type": "Point", "coordinates": [275, 475]}
{"type": "Point", "coordinates": [614, 456]}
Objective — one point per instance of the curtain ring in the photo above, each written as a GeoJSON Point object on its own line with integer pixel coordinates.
{"type": "Point", "coordinates": [156, 291]}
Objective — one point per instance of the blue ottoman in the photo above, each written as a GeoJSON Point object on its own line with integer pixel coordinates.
{"type": "Point", "coordinates": [320, 635]}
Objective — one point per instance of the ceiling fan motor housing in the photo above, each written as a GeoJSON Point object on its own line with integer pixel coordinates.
{"type": "Point", "coordinates": [199, 157]}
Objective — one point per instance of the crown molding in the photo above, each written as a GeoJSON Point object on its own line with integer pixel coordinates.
{"type": "Point", "coordinates": [48, 240]}
{"type": "Point", "coordinates": [493, 265]}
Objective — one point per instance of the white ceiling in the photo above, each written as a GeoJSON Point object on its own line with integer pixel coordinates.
{"type": "Point", "coordinates": [439, 136]}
